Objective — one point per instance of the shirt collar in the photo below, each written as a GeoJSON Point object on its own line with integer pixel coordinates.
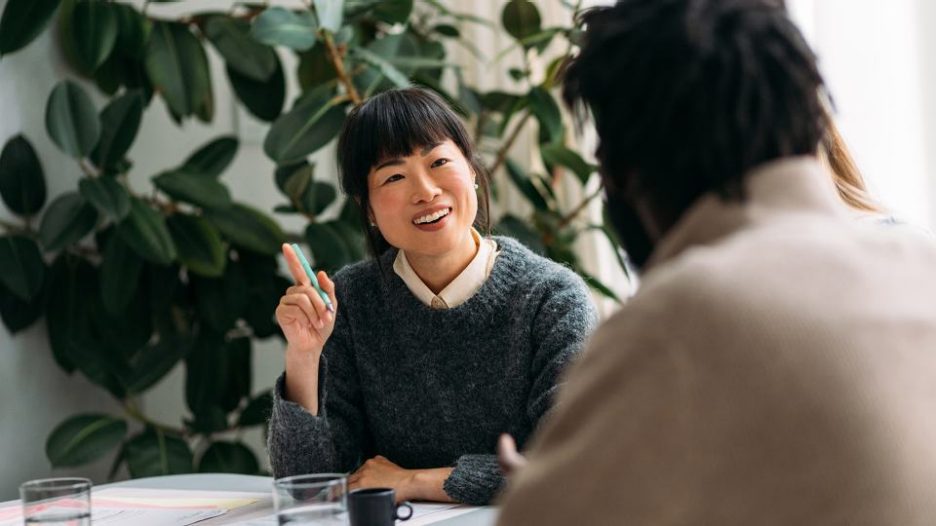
{"type": "Point", "coordinates": [462, 287]}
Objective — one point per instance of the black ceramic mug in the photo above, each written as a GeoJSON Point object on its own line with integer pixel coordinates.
{"type": "Point", "coordinates": [376, 507]}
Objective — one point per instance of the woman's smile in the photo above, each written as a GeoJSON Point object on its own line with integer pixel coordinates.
{"type": "Point", "coordinates": [434, 219]}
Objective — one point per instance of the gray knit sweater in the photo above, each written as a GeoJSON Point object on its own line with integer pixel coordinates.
{"type": "Point", "coordinates": [435, 388]}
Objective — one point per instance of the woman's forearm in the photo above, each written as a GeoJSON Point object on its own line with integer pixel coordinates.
{"type": "Point", "coordinates": [302, 376]}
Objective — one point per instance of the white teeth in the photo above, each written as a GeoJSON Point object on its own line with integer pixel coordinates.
{"type": "Point", "coordinates": [431, 217]}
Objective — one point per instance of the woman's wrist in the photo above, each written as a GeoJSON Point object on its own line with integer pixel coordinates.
{"type": "Point", "coordinates": [427, 484]}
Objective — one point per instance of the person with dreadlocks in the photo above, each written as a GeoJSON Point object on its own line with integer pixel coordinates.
{"type": "Point", "coordinates": [777, 365]}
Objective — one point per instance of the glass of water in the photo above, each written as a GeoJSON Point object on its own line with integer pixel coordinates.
{"type": "Point", "coordinates": [58, 502]}
{"type": "Point", "coordinates": [317, 499]}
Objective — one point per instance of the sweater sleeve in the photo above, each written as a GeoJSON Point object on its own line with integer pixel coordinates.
{"type": "Point", "coordinates": [333, 441]}
{"type": "Point", "coordinates": [564, 319]}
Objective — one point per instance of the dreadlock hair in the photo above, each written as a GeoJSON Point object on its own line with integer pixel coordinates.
{"type": "Point", "coordinates": [689, 95]}
{"type": "Point", "coordinates": [394, 124]}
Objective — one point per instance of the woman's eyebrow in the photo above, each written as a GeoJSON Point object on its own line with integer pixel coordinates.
{"type": "Point", "coordinates": [389, 162]}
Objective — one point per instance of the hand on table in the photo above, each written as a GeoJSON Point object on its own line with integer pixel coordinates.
{"type": "Point", "coordinates": [379, 472]}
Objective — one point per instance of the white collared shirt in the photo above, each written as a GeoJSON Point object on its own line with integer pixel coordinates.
{"type": "Point", "coordinates": [462, 287]}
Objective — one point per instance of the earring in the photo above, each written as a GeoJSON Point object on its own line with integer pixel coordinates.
{"type": "Point", "coordinates": [477, 186]}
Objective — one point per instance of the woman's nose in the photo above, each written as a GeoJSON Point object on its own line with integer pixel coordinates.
{"type": "Point", "coordinates": [424, 189]}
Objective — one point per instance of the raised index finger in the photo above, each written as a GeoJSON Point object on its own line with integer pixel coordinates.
{"type": "Point", "coordinates": [295, 267]}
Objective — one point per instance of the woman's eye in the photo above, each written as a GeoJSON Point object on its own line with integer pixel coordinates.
{"type": "Point", "coordinates": [392, 178]}
{"type": "Point", "coordinates": [439, 162]}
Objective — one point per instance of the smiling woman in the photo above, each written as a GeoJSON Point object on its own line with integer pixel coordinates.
{"type": "Point", "coordinates": [411, 380]}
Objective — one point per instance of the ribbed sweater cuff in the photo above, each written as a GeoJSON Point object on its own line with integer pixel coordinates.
{"type": "Point", "coordinates": [476, 480]}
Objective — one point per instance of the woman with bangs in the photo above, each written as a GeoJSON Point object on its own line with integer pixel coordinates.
{"type": "Point", "coordinates": [443, 341]}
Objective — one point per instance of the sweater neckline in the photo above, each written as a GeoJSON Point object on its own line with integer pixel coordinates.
{"type": "Point", "coordinates": [493, 294]}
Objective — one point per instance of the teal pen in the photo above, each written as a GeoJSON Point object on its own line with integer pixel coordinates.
{"type": "Point", "coordinates": [315, 283]}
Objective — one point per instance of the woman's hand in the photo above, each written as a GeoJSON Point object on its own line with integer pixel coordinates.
{"type": "Point", "coordinates": [307, 324]}
{"type": "Point", "coordinates": [408, 484]}
{"type": "Point", "coordinates": [302, 313]}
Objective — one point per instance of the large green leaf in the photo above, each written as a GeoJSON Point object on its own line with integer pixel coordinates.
{"type": "Point", "coordinates": [547, 113]}
{"type": "Point", "coordinates": [220, 302]}
{"type": "Point", "coordinates": [71, 119]}
{"type": "Point", "coordinates": [22, 182]}
{"type": "Point", "coordinates": [520, 230]}
{"type": "Point", "coordinates": [258, 410]}
{"type": "Point", "coordinates": [94, 27]}
{"type": "Point", "coordinates": [68, 219]}
{"type": "Point", "coordinates": [521, 18]}
{"type": "Point", "coordinates": [229, 457]}
{"type": "Point", "coordinates": [303, 130]}
{"type": "Point", "coordinates": [107, 195]}
{"type": "Point", "coordinates": [244, 54]}
{"type": "Point", "coordinates": [213, 158]}
{"type": "Point", "coordinates": [263, 99]}
{"type": "Point", "coordinates": [383, 66]}
{"type": "Point", "coordinates": [315, 69]}
{"type": "Point", "coordinates": [120, 122]}
{"type": "Point", "coordinates": [217, 374]}
{"type": "Point", "coordinates": [330, 14]}
{"type": "Point", "coordinates": [199, 244]}
{"type": "Point", "coordinates": [144, 230]}
{"type": "Point", "coordinates": [329, 250]}
{"type": "Point", "coordinates": [191, 188]}
{"type": "Point", "coordinates": [134, 31]}
{"type": "Point", "coordinates": [67, 315]}
{"type": "Point", "coordinates": [16, 313]}
{"type": "Point", "coordinates": [248, 228]}
{"type": "Point", "coordinates": [153, 362]}
{"type": "Point", "coordinates": [154, 453]}
{"type": "Point", "coordinates": [83, 438]}
{"type": "Point", "coordinates": [265, 287]}
{"type": "Point", "coordinates": [559, 155]}
{"type": "Point", "coordinates": [22, 21]}
{"type": "Point", "coordinates": [278, 26]}
{"type": "Point", "coordinates": [120, 274]}
{"type": "Point", "coordinates": [393, 11]}
{"type": "Point", "coordinates": [294, 179]}
{"type": "Point", "coordinates": [177, 65]}
{"type": "Point", "coordinates": [526, 186]}
{"type": "Point", "coordinates": [21, 267]}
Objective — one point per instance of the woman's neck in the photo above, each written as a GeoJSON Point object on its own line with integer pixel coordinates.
{"type": "Point", "coordinates": [438, 271]}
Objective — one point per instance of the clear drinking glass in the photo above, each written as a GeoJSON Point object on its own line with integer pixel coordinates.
{"type": "Point", "coordinates": [56, 502]}
{"type": "Point", "coordinates": [317, 499]}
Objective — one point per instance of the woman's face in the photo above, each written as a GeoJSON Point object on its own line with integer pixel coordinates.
{"type": "Point", "coordinates": [424, 203]}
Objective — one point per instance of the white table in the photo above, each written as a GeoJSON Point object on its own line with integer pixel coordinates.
{"type": "Point", "coordinates": [220, 482]}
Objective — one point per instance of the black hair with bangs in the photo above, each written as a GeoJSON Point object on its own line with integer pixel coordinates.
{"type": "Point", "coordinates": [394, 124]}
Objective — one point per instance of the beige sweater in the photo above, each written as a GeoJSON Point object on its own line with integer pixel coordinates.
{"type": "Point", "coordinates": [778, 366]}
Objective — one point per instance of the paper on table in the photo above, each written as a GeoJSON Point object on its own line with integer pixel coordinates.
{"type": "Point", "coordinates": [175, 499]}
{"type": "Point", "coordinates": [144, 507]}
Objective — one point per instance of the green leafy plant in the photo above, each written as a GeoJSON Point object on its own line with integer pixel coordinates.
{"type": "Point", "coordinates": [134, 281]}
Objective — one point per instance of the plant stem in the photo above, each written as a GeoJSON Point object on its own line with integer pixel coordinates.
{"type": "Point", "coordinates": [88, 168]}
{"type": "Point", "coordinates": [13, 228]}
{"type": "Point", "coordinates": [511, 139]}
{"type": "Point", "coordinates": [578, 209]}
{"type": "Point", "coordinates": [338, 62]}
